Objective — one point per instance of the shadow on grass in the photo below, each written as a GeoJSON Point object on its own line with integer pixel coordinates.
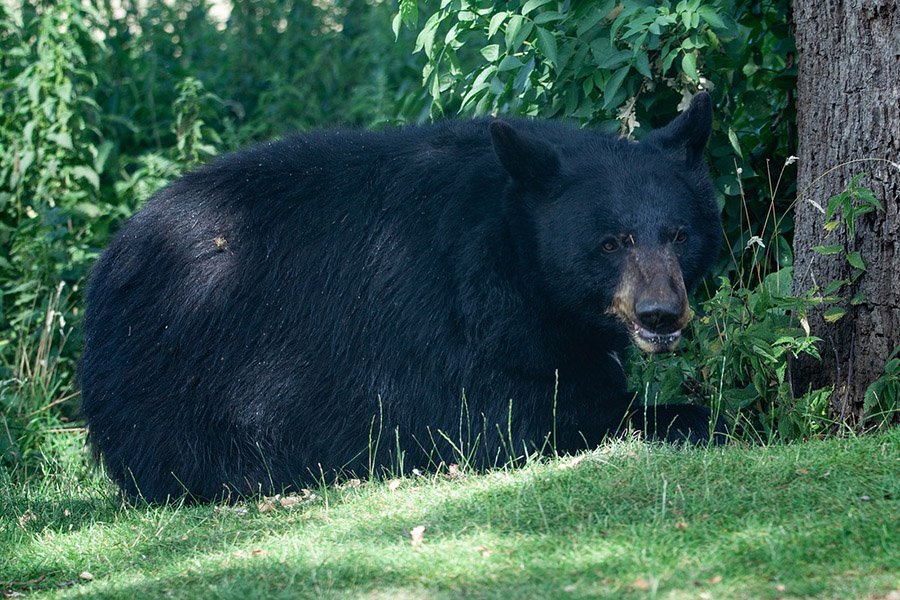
{"type": "Point", "coordinates": [598, 529]}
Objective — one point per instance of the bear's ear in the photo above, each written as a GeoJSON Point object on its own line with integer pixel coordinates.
{"type": "Point", "coordinates": [527, 159]}
{"type": "Point", "coordinates": [688, 132]}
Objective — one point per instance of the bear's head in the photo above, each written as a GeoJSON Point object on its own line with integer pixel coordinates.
{"type": "Point", "coordinates": [620, 230]}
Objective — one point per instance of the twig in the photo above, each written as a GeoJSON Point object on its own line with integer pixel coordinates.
{"type": "Point", "coordinates": [54, 403]}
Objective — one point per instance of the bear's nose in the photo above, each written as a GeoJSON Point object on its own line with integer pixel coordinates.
{"type": "Point", "coordinates": [658, 317]}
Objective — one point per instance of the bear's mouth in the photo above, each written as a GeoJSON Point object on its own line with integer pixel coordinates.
{"type": "Point", "coordinates": [653, 342]}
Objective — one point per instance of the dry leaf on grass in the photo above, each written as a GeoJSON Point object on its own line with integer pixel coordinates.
{"type": "Point", "coordinates": [292, 500]}
{"type": "Point", "coordinates": [642, 584]}
{"type": "Point", "coordinates": [417, 535]}
{"type": "Point", "coordinates": [270, 503]}
{"type": "Point", "coordinates": [573, 462]}
{"type": "Point", "coordinates": [235, 510]}
{"type": "Point", "coordinates": [25, 518]}
{"type": "Point", "coordinates": [246, 554]}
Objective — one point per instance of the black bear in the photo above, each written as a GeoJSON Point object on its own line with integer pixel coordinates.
{"type": "Point", "coordinates": [347, 301]}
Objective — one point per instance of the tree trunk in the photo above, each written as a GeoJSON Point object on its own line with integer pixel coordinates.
{"type": "Point", "coordinates": [848, 109]}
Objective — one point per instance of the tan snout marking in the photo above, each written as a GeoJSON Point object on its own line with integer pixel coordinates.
{"type": "Point", "coordinates": [648, 271]}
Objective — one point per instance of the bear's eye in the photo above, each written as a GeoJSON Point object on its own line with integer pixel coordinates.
{"type": "Point", "coordinates": [610, 245]}
{"type": "Point", "coordinates": [680, 236]}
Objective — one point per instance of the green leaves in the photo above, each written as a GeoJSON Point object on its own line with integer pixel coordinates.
{"type": "Point", "coordinates": [848, 205]}
{"type": "Point", "coordinates": [856, 261]}
{"type": "Point", "coordinates": [491, 52]}
{"type": "Point", "coordinates": [546, 43]}
{"type": "Point", "coordinates": [828, 250]}
{"type": "Point", "coordinates": [425, 39]}
{"type": "Point", "coordinates": [409, 12]}
{"type": "Point", "coordinates": [192, 136]}
{"type": "Point", "coordinates": [689, 66]}
{"type": "Point", "coordinates": [611, 90]}
{"type": "Point", "coordinates": [495, 23]}
{"type": "Point", "coordinates": [518, 28]}
{"type": "Point", "coordinates": [598, 11]}
{"type": "Point", "coordinates": [531, 5]}
{"type": "Point", "coordinates": [63, 139]}
{"type": "Point", "coordinates": [88, 174]}
{"type": "Point", "coordinates": [735, 143]}
{"type": "Point", "coordinates": [582, 60]}
{"type": "Point", "coordinates": [642, 64]}
{"type": "Point", "coordinates": [736, 357]}
{"type": "Point", "coordinates": [407, 15]}
{"type": "Point", "coordinates": [834, 314]}
{"type": "Point", "coordinates": [712, 17]}
{"type": "Point", "coordinates": [52, 202]}
{"type": "Point", "coordinates": [882, 397]}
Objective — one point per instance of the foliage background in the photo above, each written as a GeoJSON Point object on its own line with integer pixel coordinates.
{"type": "Point", "coordinates": [102, 102]}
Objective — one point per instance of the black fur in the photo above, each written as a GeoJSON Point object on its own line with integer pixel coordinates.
{"type": "Point", "coordinates": [314, 304]}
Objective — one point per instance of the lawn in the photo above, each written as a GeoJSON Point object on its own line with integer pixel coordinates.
{"type": "Point", "coordinates": [629, 520]}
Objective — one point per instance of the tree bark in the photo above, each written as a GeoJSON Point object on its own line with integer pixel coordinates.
{"type": "Point", "coordinates": [848, 109]}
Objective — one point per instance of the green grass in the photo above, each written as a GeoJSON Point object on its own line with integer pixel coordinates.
{"type": "Point", "coordinates": [626, 521]}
